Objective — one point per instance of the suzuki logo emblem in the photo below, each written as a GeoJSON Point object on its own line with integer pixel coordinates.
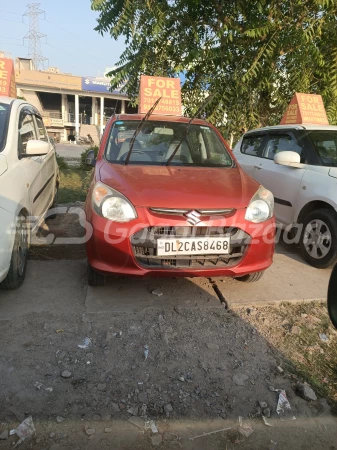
{"type": "Point", "coordinates": [193, 217]}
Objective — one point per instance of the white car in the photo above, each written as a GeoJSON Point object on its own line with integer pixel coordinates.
{"type": "Point", "coordinates": [298, 163]}
{"type": "Point", "coordinates": [29, 180]}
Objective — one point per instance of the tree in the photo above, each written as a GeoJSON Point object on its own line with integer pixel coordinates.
{"type": "Point", "coordinates": [251, 56]}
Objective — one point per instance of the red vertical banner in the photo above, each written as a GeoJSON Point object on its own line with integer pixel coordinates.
{"type": "Point", "coordinates": [7, 78]}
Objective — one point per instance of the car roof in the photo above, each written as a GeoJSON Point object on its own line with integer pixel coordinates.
{"type": "Point", "coordinates": [304, 126]}
{"type": "Point", "coordinates": [159, 118]}
{"type": "Point", "coordinates": [7, 100]}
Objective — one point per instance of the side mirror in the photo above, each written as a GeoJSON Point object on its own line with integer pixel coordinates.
{"type": "Point", "coordinates": [36, 148]}
{"type": "Point", "coordinates": [90, 159]}
{"type": "Point", "coordinates": [287, 158]}
{"type": "Point", "coordinates": [332, 297]}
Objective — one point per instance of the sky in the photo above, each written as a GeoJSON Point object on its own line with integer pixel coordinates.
{"type": "Point", "coordinates": [71, 43]}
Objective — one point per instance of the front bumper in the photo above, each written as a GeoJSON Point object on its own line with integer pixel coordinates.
{"type": "Point", "coordinates": [115, 248]}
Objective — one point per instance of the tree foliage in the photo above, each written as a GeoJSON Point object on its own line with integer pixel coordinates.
{"type": "Point", "coordinates": [251, 56]}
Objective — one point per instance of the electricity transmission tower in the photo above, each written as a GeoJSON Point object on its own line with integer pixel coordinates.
{"type": "Point", "coordinates": [34, 36]}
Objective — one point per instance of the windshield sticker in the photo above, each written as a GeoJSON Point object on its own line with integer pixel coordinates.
{"type": "Point", "coordinates": [204, 128]}
{"type": "Point", "coordinates": [2, 108]}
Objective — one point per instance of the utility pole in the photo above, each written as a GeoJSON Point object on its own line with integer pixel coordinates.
{"type": "Point", "coordinates": [34, 36]}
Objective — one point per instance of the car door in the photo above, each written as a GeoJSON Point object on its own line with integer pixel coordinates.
{"type": "Point", "coordinates": [48, 168]}
{"type": "Point", "coordinates": [249, 150]}
{"type": "Point", "coordinates": [283, 181]}
{"type": "Point", "coordinates": [31, 165]}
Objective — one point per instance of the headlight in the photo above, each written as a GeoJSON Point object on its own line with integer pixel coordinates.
{"type": "Point", "coordinates": [261, 206]}
{"type": "Point", "coordinates": [112, 204]}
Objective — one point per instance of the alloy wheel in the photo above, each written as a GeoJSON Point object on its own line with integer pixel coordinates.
{"type": "Point", "coordinates": [317, 239]}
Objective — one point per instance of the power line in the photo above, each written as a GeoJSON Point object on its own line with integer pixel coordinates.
{"type": "Point", "coordinates": [13, 45]}
{"type": "Point", "coordinates": [34, 36]}
{"type": "Point", "coordinates": [71, 34]}
{"type": "Point", "coordinates": [55, 25]}
{"type": "Point", "coordinates": [74, 48]}
{"type": "Point", "coordinates": [14, 39]}
{"type": "Point", "coordinates": [74, 56]}
{"type": "Point", "coordinates": [8, 12]}
{"type": "Point", "coordinates": [14, 21]}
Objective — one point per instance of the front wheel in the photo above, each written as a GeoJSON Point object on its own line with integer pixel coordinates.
{"type": "Point", "coordinates": [251, 277]}
{"type": "Point", "coordinates": [95, 278]}
{"type": "Point", "coordinates": [17, 269]}
{"type": "Point", "coordinates": [319, 238]}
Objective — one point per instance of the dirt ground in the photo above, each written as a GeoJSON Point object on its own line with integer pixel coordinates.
{"type": "Point", "coordinates": [306, 337]}
{"type": "Point", "coordinates": [191, 370]}
{"type": "Point", "coordinates": [205, 368]}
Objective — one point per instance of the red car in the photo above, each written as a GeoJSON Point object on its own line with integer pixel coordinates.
{"type": "Point", "coordinates": [168, 199]}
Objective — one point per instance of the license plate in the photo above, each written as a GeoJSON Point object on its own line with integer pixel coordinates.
{"type": "Point", "coordinates": [193, 246]}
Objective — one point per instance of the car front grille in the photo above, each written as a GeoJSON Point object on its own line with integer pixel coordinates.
{"type": "Point", "coordinates": [144, 245]}
{"type": "Point", "coordinates": [202, 212]}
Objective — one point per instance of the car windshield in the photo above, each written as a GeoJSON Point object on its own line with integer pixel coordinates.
{"type": "Point", "coordinates": [3, 124]}
{"type": "Point", "coordinates": [157, 141]}
{"type": "Point", "coordinates": [325, 144]}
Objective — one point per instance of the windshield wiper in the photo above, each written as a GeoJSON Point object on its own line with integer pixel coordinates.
{"type": "Point", "coordinates": [203, 105]}
{"type": "Point", "coordinates": [140, 126]}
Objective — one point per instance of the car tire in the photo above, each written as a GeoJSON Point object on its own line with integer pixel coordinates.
{"type": "Point", "coordinates": [321, 254]}
{"type": "Point", "coordinates": [54, 205]}
{"type": "Point", "coordinates": [251, 277]}
{"type": "Point", "coordinates": [18, 264]}
{"type": "Point", "coordinates": [95, 278]}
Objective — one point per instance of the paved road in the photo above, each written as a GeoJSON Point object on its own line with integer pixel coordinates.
{"type": "Point", "coordinates": [289, 279]}
{"type": "Point", "coordinates": [70, 150]}
{"type": "Point", "coordinates": [64, 283]}
{"type": "Point", "coordinates": [188, 333]}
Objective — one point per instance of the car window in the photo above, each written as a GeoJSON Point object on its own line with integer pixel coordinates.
{"type": "Point", "coordinates": [253, 145]}
{"type": "Point", "coordinates": [42, 134]}
{"type": "Point", "coordinates": [213, 146]}
{"type": "Point", "coordinates": [325, 144]}
{"type": "Point", "coordinates": [280, 143]}
{"type": "Point", "coordinates": [158, 141]}
{"type": "Point", "coordinates": [26, 131]}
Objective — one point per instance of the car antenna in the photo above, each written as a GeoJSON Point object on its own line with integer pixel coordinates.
{"type": "Point", "coordinates": [203, 105]}
{"type": "Point", "coordinates": [140, 126]}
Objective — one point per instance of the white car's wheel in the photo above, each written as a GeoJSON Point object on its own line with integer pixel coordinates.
{"type": "Point", "coordinates": [319, 238]}
{"type": "Point", "coordinates": [17, 269]}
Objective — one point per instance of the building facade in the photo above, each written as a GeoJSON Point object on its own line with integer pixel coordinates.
{"type": "Point", "coordinates": [70, 105]}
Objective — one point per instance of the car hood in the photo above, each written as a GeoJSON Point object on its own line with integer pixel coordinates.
{"type": "Point", "coordinates": [180, 187]}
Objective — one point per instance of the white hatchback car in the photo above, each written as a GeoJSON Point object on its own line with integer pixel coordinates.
{"type": "Point", "coordinates": [29, 181]}
{"type": "Point", "coordinates": [298, 163]}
